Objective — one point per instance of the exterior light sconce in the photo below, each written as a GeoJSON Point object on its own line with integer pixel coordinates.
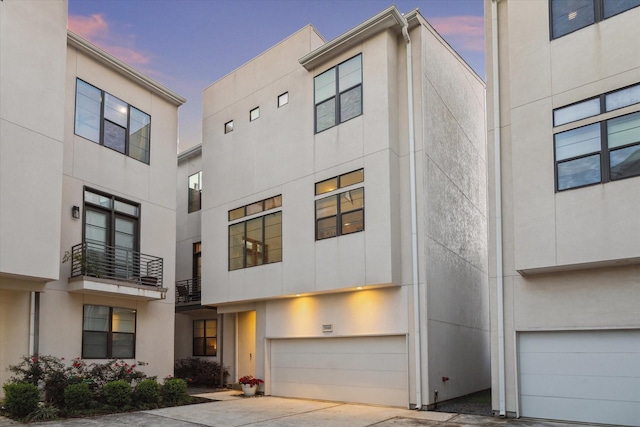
{"type": "Point", "coordinates": [75, 212]}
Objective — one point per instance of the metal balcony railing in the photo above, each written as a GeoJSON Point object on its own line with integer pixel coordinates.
{"type": "Point", "coordinates": [113, 262]}
{"type": "Point", "coordinates": [188, 291]}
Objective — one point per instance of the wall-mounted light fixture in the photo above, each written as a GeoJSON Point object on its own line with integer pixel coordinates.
{"type": "Point", "coordinates": [75, 212]}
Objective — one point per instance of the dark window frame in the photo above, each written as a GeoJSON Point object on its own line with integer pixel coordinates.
{"type": "Point", "coordinates": [336, 98]}
{"type": "Point", "coordinates": [190, 198]}
{"type": "Point", "coordinates": [598, 12]}
{"type": "Point", "coordinates": [197, 259]}
{"type": "Point", "coordinates": [112, 213]}
{"type": "Point", "coordinates": [245, 253]}
{"type": "Point", "coordinates": [110, 333]}
{"type": "Point", "coordinates": [256, 109]}
{"type": "Point", "coordinates": [339, 214]}
{"type": "Point", "coordinates": [103, 119]}
{"type": "Point", "coordinates": [278, 104]}
{"type": "Point", "coordinates": [228, 127]}
{"type": "Point", "coordinates": [202, 350]}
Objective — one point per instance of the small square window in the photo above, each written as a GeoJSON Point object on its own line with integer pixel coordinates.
{"type": "Point", "coordinates": [283, 99]}
{"type": "Point", "coordinates": [228, 127]}
{"type": "Point", "coordinates": [254, 114]}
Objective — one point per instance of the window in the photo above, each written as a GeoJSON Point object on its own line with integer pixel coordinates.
{"type": "Point", "coordinates": [340, 213]}
{"type": "Point", "coordinates": [205, 337]}
{"type": "Point", "coordinates": [109, 121]}
{"type": "Point", "coordinates": [257, 240]}
{"type": "Point", "coordinates": [195, 192]}
{"type": "Point", "coordinates": [254, 114]}
{"type": "Point", "coordinates": [111, 233]}
{"type": "Point", "coordinates": [228, 127]}
{"type": "Point", "coordinates": [197, 260]}
{"type": "Point", "coordinates": [603, 151]}
{"type": "Point", "coordinates": [108, 332]}
{"type": "Point", "coordinates": [338, 94]}
{"type": "Point", "coordinates": [568, 16]}
{"type": "Point", "coordinates": [283, 99]}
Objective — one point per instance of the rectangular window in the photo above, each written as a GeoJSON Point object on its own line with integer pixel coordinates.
{"type": "Point", "coordinates": [197, 260]}
{"type": "Point", "coordinates": [195, 192]}
{"type": "Point", "coordinates": [338, 94]}
{"type": "Point", "coordinates": [567, 16]}
{"type": "Point", "coordinates": [340, 213]}
{"type": "Point", "coordinates": [228, 127]}
{"type": "Point", "coordinates": [254, 114]}
{"type": "Point", "coordinates": [108, 332]}
{"type": "Point", "coordinates": [258, 240]}
{"type": "Point", "coordinates": [104, 119]}
{"type": "Point", "coordinates": [603, 151]}
{"type": "Point", "coordinates": [205, 337]}
{"type": "Point", "coordinates": [283, 99]}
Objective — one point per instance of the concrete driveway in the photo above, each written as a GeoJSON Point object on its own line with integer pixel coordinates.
{"type": "Point", "coordinates": [232, 409]}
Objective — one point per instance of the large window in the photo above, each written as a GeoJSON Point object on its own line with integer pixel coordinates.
{"type": "Point", "coordinates": [109, 121]}
{"type": "Point", "coordinates": [599, 150]}
{"type": "Point", "coordinates": [195, 192]}
{"type": "Point", "coordinates": [111, 233]}
{"type": "Point", "coordinates": [338, 94]}
{"type": "Point", "coordinates": [257, 240]}
{"type": "Point", "coordinates": [205, 337]}
{"type": "Point", "coordinates": [568, 16]}
{"type": "Point", "coordinates": [108, 332]}
{"type": "Point", "coordinates": [197, 260]}
{"type": "Point", "coordinates": [341, 212]}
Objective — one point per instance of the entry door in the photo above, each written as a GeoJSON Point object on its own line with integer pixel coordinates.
{"type": "Point", "coordinates": [96, 236]}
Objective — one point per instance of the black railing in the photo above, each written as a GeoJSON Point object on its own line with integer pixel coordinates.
{"type": "Point", "coordinates": [113, 262]}
{"type": "Point", "coordinates": [188, 290]}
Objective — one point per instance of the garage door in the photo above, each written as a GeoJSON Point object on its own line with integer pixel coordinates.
{"type": "Point", "coordinates": [588, 376]}
{"type": "Point", "coordinates": [363, 369]}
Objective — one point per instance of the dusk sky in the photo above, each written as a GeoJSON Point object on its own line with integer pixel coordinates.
{"type": "Point", "coordinates": [188, 44]}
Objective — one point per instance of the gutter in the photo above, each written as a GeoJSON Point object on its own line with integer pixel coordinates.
{"type": "Point", "coordinates": [498, 205]}
{"type": "Point", "coordinates": [414, 220]}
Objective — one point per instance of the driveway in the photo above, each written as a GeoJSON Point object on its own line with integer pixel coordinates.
{"type": "Point", "coordinates": [231, 409]}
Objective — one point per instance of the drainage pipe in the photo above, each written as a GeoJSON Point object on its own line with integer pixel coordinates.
{"type": "Point", "coordinates": [498, 205]}
{"type": "Point", "coordinates": [414, 220]}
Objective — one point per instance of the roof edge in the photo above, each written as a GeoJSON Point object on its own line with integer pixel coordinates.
{"type": "Point", "coordinates": [114, 63]}
{"type": "Point", "coordinates": [196, 149]}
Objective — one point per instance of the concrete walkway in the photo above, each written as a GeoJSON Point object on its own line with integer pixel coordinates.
{"type": "Point", "coordinates": [233, 410]}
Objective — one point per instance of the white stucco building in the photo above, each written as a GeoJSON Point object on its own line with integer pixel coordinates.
{"type": "Point", "coordinates": [339, 215]}
{"type": "Point", "coordinates": [564, 92]}
{"type": "Point", "coordinates": [87, 166]}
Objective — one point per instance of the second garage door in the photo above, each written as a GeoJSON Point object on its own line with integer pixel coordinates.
{"type": "Point", "coordinates": [351, 369]}
{"type": "Point", "coordinates": [588, 376]}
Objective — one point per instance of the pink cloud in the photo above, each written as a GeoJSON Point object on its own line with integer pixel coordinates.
{"type": "Point", "coordinates": [97, 30]}
{"type": "Point", "coordinates": [467, 32]}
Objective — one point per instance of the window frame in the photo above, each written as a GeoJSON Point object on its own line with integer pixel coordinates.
{"type": "Point", "coordinates": [109, 333]}
{"type": "Point", "coordinates": [337, 193]}
{"type": "Point", "coordinates": [191, 208]}
{"type": "Point", "coordinates": [228, 127]}
{"type": "Point", "coordinates": [202, 352]}
{"type": "Point", "coordinates": [196, 265]}
{"type": "Point", "coordinates": [598, 16]}
{"type": "Point", "coordinates": [255, 110]}
{"type": "Point", "coordinates": [602, 119]}
{"type": "Point", "coordinates": [281, 96]}
{"type": "Point", "coordinates": [337, 94]}
{"type": "Point", "coordinates": [112, 213]}
{"type": "Point", "coordinates": [101, 139]}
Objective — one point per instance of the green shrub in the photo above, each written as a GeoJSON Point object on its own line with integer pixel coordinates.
{"type": "Point", "coordinates": [196, 371]}
{"type": "Point", "coordinates": [20, 399]}
{"type": "Point", "coordinates": [44, 413]}
{"type": "Point", "coordinates": [117, 393]}
{"type": "Point", "coordinates": [46, 372]}
{"type": "Point", "coordinates": [147, 393]}
{"type": "Point", "coordinates": [78, 397]}
{"type": "Point", "coordinates": [174, 391]}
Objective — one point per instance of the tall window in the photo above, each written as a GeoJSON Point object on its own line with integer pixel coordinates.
{"type": "Point", "coordinates": [109, 121]}
{"type": "Point", "coordinates": [111, 233]}
{"type": "Point", "coordinates": [205, 337]}
{"type": "Point", "coordinates": [195, 192]}
{"type": "Point", "coordinates": [257, 240]}
{"type": "Point", "coordinates": [568, 16]}
{"type": "Point", "coordinates": [338, 94]}
{"type": "Point", "coordinates": [598, 150]}
{"type": "Point", "coordinates": [108, 332]}
{"type": "Point", "coordinates": [197, 260]}
{"type": "Point", "coordinates": [341, 212]}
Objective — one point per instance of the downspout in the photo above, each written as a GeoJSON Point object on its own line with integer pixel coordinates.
{"type": "Point", "coordinates": [414, 220]}
{"type": "Point", "coordinates": [498, 205]}
{"type": "Point", "coordinates": [34, 323]}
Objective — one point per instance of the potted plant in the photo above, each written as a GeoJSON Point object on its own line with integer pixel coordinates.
{"type": "Point", "coordinates": [249, 384]}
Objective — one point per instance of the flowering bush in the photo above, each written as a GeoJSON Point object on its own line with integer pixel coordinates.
{"type": "Point", "coordinates": [196, 371]}
{"type": "Point", "coordinates": [250, 380]}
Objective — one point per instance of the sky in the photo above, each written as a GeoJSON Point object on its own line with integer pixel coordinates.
{"type": "Point", "coordinates": [188, 44]}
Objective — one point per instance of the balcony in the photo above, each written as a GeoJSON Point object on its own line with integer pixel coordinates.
{"type": "Point", "coordinates": [97, 268]}
{"type": "Point", "coordinates": [188, 292]}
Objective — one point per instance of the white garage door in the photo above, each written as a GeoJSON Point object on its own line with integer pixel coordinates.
{"type": "Point", "coordinates": [588, 376]}
{"type": "Point", "coordinates": [363, 369]}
